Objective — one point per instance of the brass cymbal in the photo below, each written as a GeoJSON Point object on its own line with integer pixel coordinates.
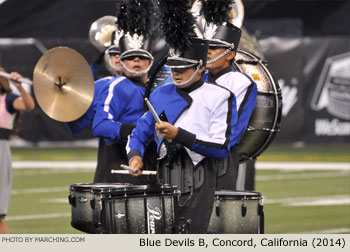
{"type": "Point", "coordinates": [63, 84]}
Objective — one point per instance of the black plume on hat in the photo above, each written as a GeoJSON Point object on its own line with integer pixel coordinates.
{"type": "Point", "coordinates": [217, 11]}
{"type": "Point", "coordinates": [136, 16]}
{"type": "Point", "coordinates": [218, 30]}
{"type": "Point", "coordinates": [177, 23]}
{"type": "Point", "coordinates": [135, 19]}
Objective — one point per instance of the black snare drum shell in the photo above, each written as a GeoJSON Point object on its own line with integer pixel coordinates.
{"type": "Point", "coordinates": [140, 210]}
{"type": "Point", "coordinates": [85, 215]}
{"type": "Point", "coordinates": [85, 201]}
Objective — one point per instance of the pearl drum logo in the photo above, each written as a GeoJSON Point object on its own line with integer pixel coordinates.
{"type": "Point", "coordinates": [153, 215]}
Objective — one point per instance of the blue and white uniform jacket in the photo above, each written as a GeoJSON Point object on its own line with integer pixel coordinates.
{"type": "Point", "coordinates": [245, 91]}
{"type": "Point", "coordinates": [203, 114]}
{"type": "Point", "coordinates": [101, 89]}
{"type": "Point", "coordinates": [118, 109]}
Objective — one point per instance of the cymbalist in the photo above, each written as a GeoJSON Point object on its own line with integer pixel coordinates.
{"type": "Point", "coordinates": [63, 84]}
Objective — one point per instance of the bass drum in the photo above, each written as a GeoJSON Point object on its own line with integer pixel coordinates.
{"type": "Point", "coordinates": [265, 121]}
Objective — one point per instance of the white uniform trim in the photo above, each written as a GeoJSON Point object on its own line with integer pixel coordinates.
{"type": "Point", "coordinates": [237, 83]}
{"type": "Point", "coordinates": [209, 103]}
{"type": "Point", "coordinates": [110, 96]}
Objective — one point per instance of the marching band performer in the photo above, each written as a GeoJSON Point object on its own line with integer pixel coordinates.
{"type": "Point", "coordinates": [113, 54]}
{"type": "Point", "coordinates": [10, 105]}
{"type": "Point", "coordinates": [223, 39]}
{"type": "Point", "coordinates": [122, 105]}
{"type": "Point", "coordinates": [100, 92]}
{"type": "Point", "coordinates": [196, 121]}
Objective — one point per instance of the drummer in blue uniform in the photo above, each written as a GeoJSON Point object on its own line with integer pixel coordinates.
{"type": "Point", "coordinates": [118, 100]}
{"type": "Point", "coordinates": [100, 92]}
{"type": "Point", "coordinates": [196, 128]}
{"type": "Point", "coordinates": [123, 104]}
{"type": "Point", "coordinates": [223, 39]}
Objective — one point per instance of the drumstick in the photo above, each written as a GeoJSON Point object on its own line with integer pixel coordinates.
{"type": "Point", "coordinates": [8, 76]}
{"type": "Point", "coordinates": [127, 172]}
{"type": "Point", "coordinates": [149, 105]}
{"type": "Point", "coordinates": [125, 167]}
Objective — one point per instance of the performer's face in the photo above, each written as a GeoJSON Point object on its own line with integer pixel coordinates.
{"type": "Point", "coordinates": [221, 63]}
{"type": "Point", "coordinates": [115, 60]}
{"type": "Point", "coordinates": [138, 64]}
{"type": "Point", "coordinates": [180, 75]}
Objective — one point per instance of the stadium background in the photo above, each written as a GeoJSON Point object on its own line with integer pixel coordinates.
{"type": "Point", "coordinates": [306, 44]}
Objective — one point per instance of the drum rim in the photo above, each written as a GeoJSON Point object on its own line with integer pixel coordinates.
{"type": "Point", "coordinates": [137, 189]}
{"type": "Point", "coordinates": [89, 187]}
{"type": "Point", "coordinates": [238, 194]}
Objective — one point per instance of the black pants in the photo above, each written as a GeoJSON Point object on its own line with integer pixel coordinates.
{"type": "Point", "coordinates": [194, 205]}
{"type": "Point", "coordinates": [199, 207]}
{"type": "Point", "coordinates": [227, 171]}
{"type": "Point", "coordinates": [246, 176]}
{"type": "Point", "coordinates": [110, 157]}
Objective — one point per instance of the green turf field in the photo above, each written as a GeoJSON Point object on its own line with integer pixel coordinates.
{"type": "Point", "coordinates": [294, 201]}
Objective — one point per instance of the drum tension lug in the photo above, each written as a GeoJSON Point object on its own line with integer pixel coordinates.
{"type": "Point", "coordinates": [244, 209]}
{"type": "Point", "coordinates": [218, 208]}
{"type": "Point", "coordinates": [92, 203]}
{"type": "Point", "coordinates": [71, 200]}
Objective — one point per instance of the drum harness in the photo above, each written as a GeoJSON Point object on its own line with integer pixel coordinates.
{"type": "Point", "coordinates": [177, 168]}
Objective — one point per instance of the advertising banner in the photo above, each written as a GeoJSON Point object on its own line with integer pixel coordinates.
{"type": "Point", "coordinates": [327, 77]}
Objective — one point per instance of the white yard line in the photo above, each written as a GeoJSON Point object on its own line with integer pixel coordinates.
{"type": "Point", "coordinates": [54, 164]}
{"type": "Point", "coordinates": [302, 176]}
{"type": "Point", "coordinates": [329, 231]}
{"type": "Point", "coordinates": [343, 199]}
{"type": "Point", "coordinates": [40, 190]}
{"type": "Point", "coordinates": [302, 166]}
{"type": "Point", "coordinates": [37, 216]}
{"type": "Point", "coordinates": [259, 165]}
{"type": "Point", "coordinates": [36, 172]}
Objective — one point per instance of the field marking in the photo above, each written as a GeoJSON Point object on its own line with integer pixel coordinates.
{"type": "Point", "coordinates": [302, 166]}
{"type": "Point", "coordinates": [45, 171]}
{"type": "Point", "coordinates": [329, 231]}
{"type": "Point", "coordinates": [40, 190]}
{"type": "Point", "coordinates": [312, 201]}
{"type": "Point", "coordinates": [259, 165]}
{"type": "Point", "coordinates": [54, 164]}
{"type": "Point", "coordinates": [37, 216]}
{"type": "Point", "coordinates": [59, 200]}
{"type": "Point", "coordinates": [301, 176]}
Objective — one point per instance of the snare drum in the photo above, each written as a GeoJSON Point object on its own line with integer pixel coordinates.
{"type": "Point", "coordinates": [237, 213]}
{"type": "Point", "coordinates": [140, 209]}
{"type": "Point", "coordinates": [86, 205]}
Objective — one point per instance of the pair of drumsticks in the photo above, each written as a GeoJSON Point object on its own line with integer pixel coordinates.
{"type": "Point", "coordinates": [128, 168]}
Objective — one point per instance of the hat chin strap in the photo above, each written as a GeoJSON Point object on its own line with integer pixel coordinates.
{"type": "Point", "coordinates": [220, 56]}
{"type": "Point", "coordinates": [181, 84]}
{"type": "Point", "coordinates": [113, 66]}
{"type": "Point", "coordinates": [134, 71]}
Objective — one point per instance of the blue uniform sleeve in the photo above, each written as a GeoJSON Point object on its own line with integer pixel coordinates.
{"type": "Point", "coordinates": [108, 111]}
{"type": "Point", "coordinates": [246, 110]}
{"type": "Point", "coordinates": [140, 136]}
{"type": "Point", "coordinates": [81, 123]}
